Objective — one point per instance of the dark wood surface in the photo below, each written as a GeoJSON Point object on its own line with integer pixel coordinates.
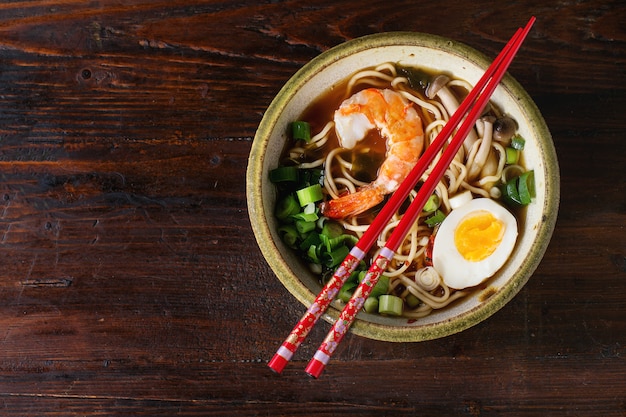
{"type": "Point", "coordinates": [131, 282]}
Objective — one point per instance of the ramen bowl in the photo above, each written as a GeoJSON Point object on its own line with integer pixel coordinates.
{"type": "Point", "coordinates": [408, 49]}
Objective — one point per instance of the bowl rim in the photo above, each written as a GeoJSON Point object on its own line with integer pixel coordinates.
{"type": "Point", "coordinates": [284, 273]}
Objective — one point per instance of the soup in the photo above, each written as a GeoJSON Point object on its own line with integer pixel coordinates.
{"type": "Point", "coordinates": [351, 148]}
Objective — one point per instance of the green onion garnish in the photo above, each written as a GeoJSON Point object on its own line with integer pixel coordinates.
{"type": "Point", "coordinates": [284, 174]}
{"type": "Point", "coordinates": [519, 191]}
{"type": "Point", "coordinates": [371, 305]}
{"type": "Point", "coordinates": [310, 194]}
{"type": "Point", "coordinates": [518, 142]}
{"type": "Point", "coordinates": [432, 204]}
{"type": "Point", "coordinates": [301, 130]}
{"type": "Point", "coordinates": [390, 305]}
{"type": "Point", "coordinates": [526, 187]}
{"type": "Point", "coordinates": [286, 207]}
{"type": "Point", "coordinates": [435, 219]}
{"type": "Point", "coordinates": [512, 156]}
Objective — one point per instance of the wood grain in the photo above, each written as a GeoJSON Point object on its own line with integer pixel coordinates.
{"type": "Point", "coordinates": [131, 282]}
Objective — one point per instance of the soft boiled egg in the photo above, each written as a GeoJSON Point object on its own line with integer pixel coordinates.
{"type": "Point", "coordinates": [473, 242]}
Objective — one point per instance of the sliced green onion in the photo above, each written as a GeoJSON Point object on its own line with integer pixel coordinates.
{"type": "Point", "coordinates": [313, 254]}
{"type": "Point", "coordinates": [312, 239]}
{"type": "Point", "coordinates": [310, 194]}
{"type": "Point", "coordinates": [307, 217]}
{"type": "Point", "coordinates": [286, 207]}
{"type": "Point", "coordinates": [526, 187]}
{"type": "Point", "coordinates": [381, 287]}
{"type": "Point", "coordinates": [289, 235]}
{"type": "Point", "coordinates": [371, 305]}
{"type": "Point", "coordinates": [304, 227]}
{"type": "Point", "coordinates": [510, 193]}
{"type": "Point", "coordinates": [512, 156]}
{"type": "Point", "coordinates": [519, 191]}
{"type": "Point", "coordinates": [518, 142]}
{"type": "Point", "coordinates": [284, 174]}
{"type": "Point", "coordinates": [412, 301]}
{"type": "Point", "coordinates": [310, 209]}
{"type": "Point", "coordinates": [390, 305]}
{"type": "Point", "coordinates": [432, 204]}
{"type": "Point", "coordinates": [332, 229]}
{"type": "Point", "coordinates": [346, 291]}
{"type": "Point", "coordinates": [311, 176]}
{"type": "Point", "coordinates": [435, 219]}
{"type": "Point", "coordinates": [334, 258]}
{"type": "Point", "coordinates": [301, 130]}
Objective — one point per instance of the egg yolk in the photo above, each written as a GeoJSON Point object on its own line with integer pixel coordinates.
{"type": "Point", "coordinates": [478, 235]}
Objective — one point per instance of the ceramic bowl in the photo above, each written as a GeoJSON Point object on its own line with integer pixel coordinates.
{"type": "Point", "coordinates": [335, 65]}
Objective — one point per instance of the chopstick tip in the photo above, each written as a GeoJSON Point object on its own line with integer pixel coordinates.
{"type": "Point", "coordinates": [277, 363]}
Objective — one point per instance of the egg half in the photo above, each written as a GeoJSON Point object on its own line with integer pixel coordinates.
{"type": "Point", "coordinates": [473, 242]}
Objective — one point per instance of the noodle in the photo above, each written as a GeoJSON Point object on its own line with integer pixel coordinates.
{"type": "Point", "coordinates": [339, 177]}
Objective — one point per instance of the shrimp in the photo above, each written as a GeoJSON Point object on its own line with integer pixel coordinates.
{"type": "Point", "coordinates": [399, 123]}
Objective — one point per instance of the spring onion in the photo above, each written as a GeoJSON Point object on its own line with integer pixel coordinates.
{"type": "Point", "coordinates": [432, 204]}
{"type": "Point", "coordinates": [304, 227]}
{"type": "Point", "coordinates": [286, 207]}
{"type": "Point", "coordinates": [390, 305]}
{"type": "Point", "coordinates": [526, 187]}
{"type": "Point", "coordinates": [289, 235]}
{"type": "Point", "coordinates": [301, 130]}
{"type": "Point", "coordinates": [312, 239]}
{"type": "Point", "coordinates": [381, 287]}
{"type": "Point", "coordinates": [313, 254]}
{"type": "Point", "coordinates": [371, 305]}
{"type": "Point", "coordinates": [519, 191]}
{"type": "Point", "coordinates": [310, 194]}
{"type": "Point", "coordinates": [512, 155]}
{"type": "Point", "coordinates": [518, 142]}
{"type": "Point", "coordinates": [334, 258]}
{"type": "Point", "coordinates": [332, 229]}
{"type": "Point", "coordinates": [346, 291]}
{"type": "Point", "coordinates": [412, 301]}
{"type": "Point", "coordinates": [284, 174]}
{"type": "Point", "coordinates": [435, 219]}
{"type": "Point", "coordinates": [307, 217]}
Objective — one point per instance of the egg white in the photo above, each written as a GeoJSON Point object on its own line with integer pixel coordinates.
{"type": "Point", "coordinates": [456, 271]}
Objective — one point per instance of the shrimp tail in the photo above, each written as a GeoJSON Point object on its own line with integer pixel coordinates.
{"type": "Point", "coordinates": [354, 203]}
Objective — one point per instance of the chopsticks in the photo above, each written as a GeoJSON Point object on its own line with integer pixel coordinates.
{"type": "Point", "coordinates": [476, 100]}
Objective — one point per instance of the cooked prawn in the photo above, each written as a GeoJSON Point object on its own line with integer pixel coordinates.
{"type": "Point", "coordinates": [401, 126]}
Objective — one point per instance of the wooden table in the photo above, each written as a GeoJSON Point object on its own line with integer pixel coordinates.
{"type": "Point", "coordinates": [131, 282]}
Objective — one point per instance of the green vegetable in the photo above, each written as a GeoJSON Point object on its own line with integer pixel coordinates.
{"type": "Point", "coordinates": [390, 305]}
{"type": "Point", "coordinates": [314, 254]}
{"type": "Point", "coordinates": [519, 191]}
{"type": "Point", "coordinates": [304, 227]}
{"type": "Point", "coordinates": [371, 305]}
{"type": "Point", "coordinates": [307, 217]}
{"type": "Point", "coordinates": [286, 207]}
{"type": "Point", "coordinates": [526, 187]}
{"type": "Point", "coordinates": [310, 194]}
{"type": "Point", "coordinates": [312, 239]}
{"type": "Point", "coordinates": [435, 219]}
{"type": "Point", "coordinates": [432, 204]}
{"type": "Point", "coordinates": [284, 174]}
{"type": "Point", "coordinates": [518, 142]}
{"type": "Point", "coordinates": [301, 130]}
{"type": "Point", "coordinates": [412, 301]}
{"type": "Point", "coordinates": [512, 156]}
{"type": "Point", "coordinates": [332, 229]}
{"type": "Point", "coordinates": [334, 258]}
{"type": "Point", "coordinates": [381, 287]}
{"type": "Point", "coordinates": [289, 235]}
{"type": "Point", "coordinates": [346, 291]}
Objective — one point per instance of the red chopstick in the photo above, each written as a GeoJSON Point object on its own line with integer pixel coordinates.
{"type": "Point", "coordinates": [325, 297]}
